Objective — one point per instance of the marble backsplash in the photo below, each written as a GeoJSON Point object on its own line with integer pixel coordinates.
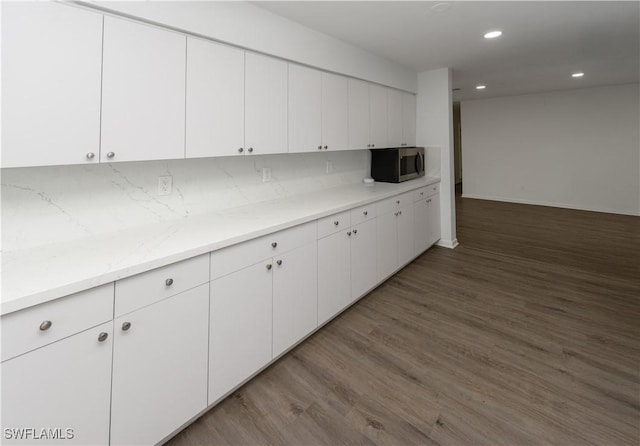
{"type": "Point", "coordinates": [43, 205]}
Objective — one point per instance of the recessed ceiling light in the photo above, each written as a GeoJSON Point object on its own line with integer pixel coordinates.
{"type": "Point", "coordinates": [577, 75]}
{"type": "Point", "coordinates": [493, 34]}
{"type": "Point", "coordinates": [480, 87]}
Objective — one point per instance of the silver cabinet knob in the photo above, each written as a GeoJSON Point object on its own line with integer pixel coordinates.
{"type": "Point", "coordinates": [326, 147]}
{"type": "Point", "coordinates": [435, 188]}
{"type": "Point", "coordinates": [355, 231]}
{"type": "Point", "coordinates": [365, 213]}
{"type": "Point", "coordinates": [421, 193]}
{"type": "Point", "coordinates": [274, 244]}
{"type": "Point", "coordinates": [269, 266]}
{"type": "Point", "coordinates": [319, 147]}
{"type": "Point", "coordinates": [373, 145]}
{"type": "Point", "coordinates": [110, 155]}
{"type": "Point", "coordinates": [397, 201]}
{"type": "Point", "coordinates": [240, 150]}
{"type": "Point", "coordinates": [336, 222]}
{"type": "Point", "coordinates": [103, 336]}
{"type": "Point", "coordinates": [279, 262]}
{"type": "Point", "coordinates": [395, 213]}
{"type": "Point", "coordinates": [429, 200]}
{"type": "Point", "coordinates": [399, 212]}
{"type": "Point", "coordinates": [126, 326]}
{"type": "Point", "coordinates": [368, 145]}
{"type": "Point", "coordinates": [250, 149]}
{"type": "Point", "coordinates": [45, 325]}
{"type": "Point", "coordinates": [168, 282]}
{"type": "Point", "coordinates": [90, 155]}
{"type": "Point", "coordinates": [349, 233]}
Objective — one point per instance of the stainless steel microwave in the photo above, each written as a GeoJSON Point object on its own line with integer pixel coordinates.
{"type": "Point", "coordinates": [398, 164]}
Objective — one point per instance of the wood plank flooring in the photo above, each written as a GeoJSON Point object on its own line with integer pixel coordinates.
{"type": "Point", "coordinates": [528, 333]}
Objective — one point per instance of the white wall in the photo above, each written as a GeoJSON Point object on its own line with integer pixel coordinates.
{"type": "Point", "coordinates": [576, 149]}
{"type": "Point", "coordinates": [434, 130]}
{"type": "Point", "coordinates": [249, 26]}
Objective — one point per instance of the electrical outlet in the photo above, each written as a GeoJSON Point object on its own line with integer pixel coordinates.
{"type": "Point", "coordinates": [165, 184]}
{"type": "Point", "coordinates": [329, 167]}
{"type": "Point", "coordinates": [266, 174]}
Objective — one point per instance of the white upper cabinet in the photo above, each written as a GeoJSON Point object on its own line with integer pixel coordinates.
{"type": "Point", "coordinates": [51, 61]}
{"type": "Point", "coordinates": [408, 119]}
{"type": "Point", "coordinates": [394, 118]}
{"type": "Point", "coordinates": [358, 114]}
{"type": "Point", "coordinates": [143, 92]}
{"type": "Point", "coordinates": [265, 105]}
{"type": "Point", "coordinates": [378, 137]}
{"type": "Point", "coordinates": [215, 99]}
{"type": "Point", "coordinates": [318, 110]}
{"type": "Point", "coordinates": [335, 112]}
{"type": "Point", "coordinates": [305, 109]}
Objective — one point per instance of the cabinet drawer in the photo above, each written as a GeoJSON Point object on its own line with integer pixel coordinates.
{"type": "Point", "coordinates": [43, 324]}
{"type": "Point", "coordinates": [233, 258]}
{"type": "Point", "coordinates": [363, 213]}
{"type": "Point", "coordinates": [426, 191]}
{"type": "Point", "coordinates": [333, 223]}
{"type": "Point", "coordinates": [393, 203]}
{"type": "Point", "coordinates": [146, 288]}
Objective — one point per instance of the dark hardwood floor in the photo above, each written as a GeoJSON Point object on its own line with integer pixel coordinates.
{"type": "Point", "coordinates": [527, 333]}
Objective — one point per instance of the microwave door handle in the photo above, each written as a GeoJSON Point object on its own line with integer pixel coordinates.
{"type": "Point", "coordinates": [419, 163]}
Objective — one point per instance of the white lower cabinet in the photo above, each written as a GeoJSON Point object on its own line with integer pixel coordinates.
{"type": "Point", "coordinates": [240, 327]}
{"type": "Point", "coordinates": [159, 367]}
{"type": "Point", "coordinates": [363, 258]}
{"type": "Point", "coordinates": [387, 244]}
{"type": "Point", "coordinates": [60, 391]}
{"type": "Point", "coordinates": [334, 274]}
{"type": "Point", "coordinates": [405, 235]}
{"type": "Point", "coordinates": [295, 296]}
{"type": "Point", "coordinates": [426, 221]}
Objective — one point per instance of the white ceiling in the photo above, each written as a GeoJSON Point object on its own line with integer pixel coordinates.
{"type": "Point", "coordinates": [543, 41]}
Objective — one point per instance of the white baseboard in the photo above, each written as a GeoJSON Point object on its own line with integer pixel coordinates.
{"type": "Point", "coordinates": [550, 204]}
{"type": "Point", "coordinates": [451, 244]}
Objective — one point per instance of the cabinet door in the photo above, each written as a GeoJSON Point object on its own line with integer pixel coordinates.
{"type": "Point", "coordinates": [421, 229]}
{"type": "Point", "coordinates": [305, 109]}
{"type": "Point", "coordinates": [295, 296]}
{"type": "Point", "coordinates": [160, 367]}
{"type": "Point", "coordinates": [406, 249]}
{"type": "Point", "coordinates": [358, 114]}
{"type": "Point", "coordinates": [51, 62]}
{"type": "Point", "coordinates": [334, 274]}
{"type": "Point", "coordinates": [240, 327]}
{"type": "Point", "coordinates": [408, 119]}
{"type": "Point", "coordinates": [377, 116]}
{"type": "Point", "coordinates": [434, 218]}
{"type": "Point", "coordinates": [143, 92]}
{"type": "Point", "coordinates": [387, 244]}
{"type": "Point", "coordinates": [363, 258]}
{"type": "Point", "coordinates": [265, 104]}
{"type": "Point", "coordinates": [335, 112]}
{"type": "Point", "coordinates": [65, 385]}
{"type": "Point", "coordinates": [394, 118]}
{"type": "Point", "coordinates": [215, 99]}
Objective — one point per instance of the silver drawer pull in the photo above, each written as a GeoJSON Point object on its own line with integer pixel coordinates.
{"type": "Point", "coordinates": [336, 222]}
{"type": "Point", "coordinates": [421, 193]}
{"type": "Point", "coordinates": [269, 266]}
{"type": "Point", "coordinates": [279, 262]}
{"type": "Point", "coordinates": [274, 244]}
{"type": "Point", "coordinates": [168, 282]}
{"type": "Point", "coordinates": [397, 201]}
{"type": "Point", "coordinates": [355, 231]}
{"type": "Point", "coordinates": [90, 155]}
{"type": "Point", "coordinates": [110, 154]}
{"type": "Point", "coordinates": [319, 147]}
{"type": "Point", "coordinates": [365, 213]}
{"type": "Point", "coordinates": [45, 325]}
{"type": "Point", "coordinates": [126, 326]}
{"type": "Point", "coordinates": [103, 336]}
{"type": "Point", "coordinates": [250, 149]}
{"type": "Point", "coordinates": [399, 212]}
{"type": "Point", "coordinates": [349, 233]}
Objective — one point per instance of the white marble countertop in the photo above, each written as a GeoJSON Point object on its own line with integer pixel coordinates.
{"type": "Point", "coordinates": [38, 275]}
